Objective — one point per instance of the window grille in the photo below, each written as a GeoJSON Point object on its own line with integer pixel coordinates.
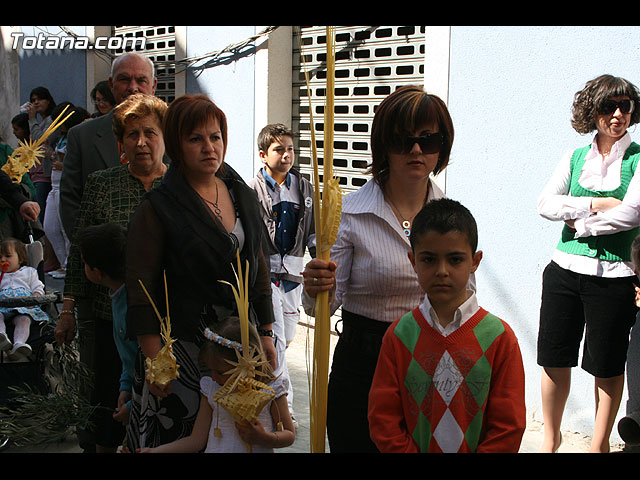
{"type": "Point", "coordinates": [371, 62]}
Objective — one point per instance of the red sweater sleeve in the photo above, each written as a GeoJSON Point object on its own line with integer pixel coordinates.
{"type": "Point", "coordinates": [505, 415]}
{"type": "Point", "coordinates": [387, 426]}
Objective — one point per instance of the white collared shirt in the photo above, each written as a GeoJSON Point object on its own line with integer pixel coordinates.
{"type": "Point", "coordinates": [555, 203]}
{"type": "Point", "coordinates": [374, 278]}
{"type": "Point", "coordinates": [463, 313]}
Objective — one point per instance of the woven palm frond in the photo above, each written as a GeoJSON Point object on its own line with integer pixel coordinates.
{"type": "Point", "coordinates": [164, 368]}
{"type": "Point", "coordinates": [29, 152]}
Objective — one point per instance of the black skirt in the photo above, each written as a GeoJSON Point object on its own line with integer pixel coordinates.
{"type": "Point", "coordinates": [354, 363]}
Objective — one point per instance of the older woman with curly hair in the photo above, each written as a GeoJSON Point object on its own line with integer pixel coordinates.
{"type": "Point", "coordinates": [111, 196]}
{"type": "Point", "coordinates": [595, 191]}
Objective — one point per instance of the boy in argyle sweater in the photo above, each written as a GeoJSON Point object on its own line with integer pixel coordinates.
{"type": "Point", "coordinates": [449, 376]}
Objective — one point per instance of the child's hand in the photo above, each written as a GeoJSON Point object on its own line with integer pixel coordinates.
{"type": "Point", "coordinates": [159, 392]}
{"type": "Point", "coordinates": [146, 450]}
{"type": "Point", "coordinates": [253, 432]}
{"type": "Point", "coordinates": [121, 413]}
{"type": "Point", "coordinates": [637, 296]}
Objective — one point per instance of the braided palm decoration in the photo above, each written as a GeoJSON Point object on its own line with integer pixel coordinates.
{"type": "Point", "coordinates": [242, 395]}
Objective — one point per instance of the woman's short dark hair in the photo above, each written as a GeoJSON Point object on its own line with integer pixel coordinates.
{"type": "Point", "coordinates": [43, 94]}
{"type": "Point", "coordinates": [21, 120]}
{"type": "Point", "coordinates": [588, 101]}
{"type": "Point", "coordinates": [400, 114]}
{"type": "Point", "coordinates": [184, 115]}
{"type": "Point", "coordinates": [105, 91]}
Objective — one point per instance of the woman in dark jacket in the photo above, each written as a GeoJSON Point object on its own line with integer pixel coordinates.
{"type": "Point", "coordinates": [190, 228]}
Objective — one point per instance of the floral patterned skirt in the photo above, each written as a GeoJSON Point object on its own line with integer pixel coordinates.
{"type": "Point", "coordinates": [36, 313]}
{"type": "Point", "coordinates": [155, 421]}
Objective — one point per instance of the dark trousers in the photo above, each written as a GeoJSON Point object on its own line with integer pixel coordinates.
{"type": "Point", "coordinates": [354, 363]}
{"type": "Point", "coordinates": [98, 351]}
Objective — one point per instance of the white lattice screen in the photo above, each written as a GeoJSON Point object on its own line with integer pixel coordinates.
{"type": "Point", "coordinates": [371, 62]}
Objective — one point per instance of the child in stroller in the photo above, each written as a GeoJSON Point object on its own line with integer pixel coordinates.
{"type": "Point", "coordinates": [18, 280]}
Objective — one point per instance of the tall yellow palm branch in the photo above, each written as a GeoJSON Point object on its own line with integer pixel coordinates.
{"type": "Point", "coordinates": [327, 209]}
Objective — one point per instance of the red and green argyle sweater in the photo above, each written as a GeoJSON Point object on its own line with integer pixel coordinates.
{"type": "Point", "coordinates": [459, 393]}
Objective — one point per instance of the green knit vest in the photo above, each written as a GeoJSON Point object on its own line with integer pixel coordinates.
{"type": "Point", "coordinates": [615, 247]}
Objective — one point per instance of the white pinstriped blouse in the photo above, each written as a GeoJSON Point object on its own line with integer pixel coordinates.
{"type": "Point", "coordinates": [374, 277]}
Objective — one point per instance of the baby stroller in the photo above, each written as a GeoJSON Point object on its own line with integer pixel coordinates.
{"type": "Point", "coordinates": [32, 370]}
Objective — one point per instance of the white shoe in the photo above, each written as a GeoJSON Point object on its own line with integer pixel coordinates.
{"type": "Point", "coordinates": [19, 350]}
{"type": "Point", "coordinates": [5, 343]}
{"type": "Point", "coordinates": [60, 273]}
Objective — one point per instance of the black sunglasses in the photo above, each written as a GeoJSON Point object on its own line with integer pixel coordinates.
{"type": "Point", "coordinates": [610, 106]}
{"type": "Point", "coordinates": [429, 143]}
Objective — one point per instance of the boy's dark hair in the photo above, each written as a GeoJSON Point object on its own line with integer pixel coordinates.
{"type": "Point", "coordinates": [271, 133]}
{"type": "Point", "coordinates": [104, 247]}
{"type": "Point", "coordinates": [444, 215]}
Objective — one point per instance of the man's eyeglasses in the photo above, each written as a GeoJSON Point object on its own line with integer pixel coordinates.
{"type": "Point", "coordinates": [429, 143]}
{"type": "Point", "coordinates": [610, 106]}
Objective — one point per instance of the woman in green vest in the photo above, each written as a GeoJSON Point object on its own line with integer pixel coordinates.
{"type": "Point", "coordinates": [590, 280]}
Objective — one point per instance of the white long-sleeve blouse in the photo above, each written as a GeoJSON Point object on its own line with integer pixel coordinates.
{"type": "Point", "coordinates": [555, 203]}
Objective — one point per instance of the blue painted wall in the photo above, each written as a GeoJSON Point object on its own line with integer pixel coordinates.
{"type": "Point", "coordinates": [63, 71]}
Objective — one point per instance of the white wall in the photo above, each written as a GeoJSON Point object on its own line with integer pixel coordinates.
{"type": "Point", "coordinates": [230, 86]}
{"type": "Point", "coordinates": [510, 95]}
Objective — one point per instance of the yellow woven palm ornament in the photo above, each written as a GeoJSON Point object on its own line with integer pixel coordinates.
{"type": "Point", "coordinates": [29, 152]}
{"type": "Point", "coordinates": [243, 395]}
{"type": "Point", "coordinates": [164, 368]}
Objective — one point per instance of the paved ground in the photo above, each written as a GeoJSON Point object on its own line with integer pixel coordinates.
{"type": "Point", "coordinates": [297, 360]}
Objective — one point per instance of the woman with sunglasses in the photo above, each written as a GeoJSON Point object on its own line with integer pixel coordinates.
{"type": "Point", "coordinates": [374, 281]}
{"type": "Point", "coordinates": [595, 191]}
